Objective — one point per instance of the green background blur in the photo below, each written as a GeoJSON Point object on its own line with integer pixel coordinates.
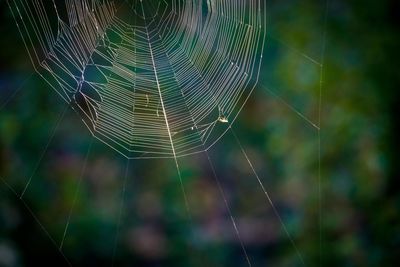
{"type": "Point", "coordinates": [358, 204]}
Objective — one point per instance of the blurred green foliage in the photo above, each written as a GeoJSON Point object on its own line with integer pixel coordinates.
{"type": "Point", "coordinates": [358, 204]}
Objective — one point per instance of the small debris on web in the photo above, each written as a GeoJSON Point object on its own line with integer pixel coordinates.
{"type": "Point", "coordinates": [223, 119]}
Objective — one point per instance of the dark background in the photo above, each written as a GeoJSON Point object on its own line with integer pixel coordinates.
{"type": "Point", "coordinates": [358, 204]}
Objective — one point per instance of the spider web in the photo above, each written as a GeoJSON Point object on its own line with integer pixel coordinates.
{"type": "Point", "coordinates": [148, 91]}
{"type": "Point", "coordinates": [152, 77]}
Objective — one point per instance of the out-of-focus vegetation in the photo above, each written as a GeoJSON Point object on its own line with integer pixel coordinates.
{"type": "Point", "coordinates": [359, 201]}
